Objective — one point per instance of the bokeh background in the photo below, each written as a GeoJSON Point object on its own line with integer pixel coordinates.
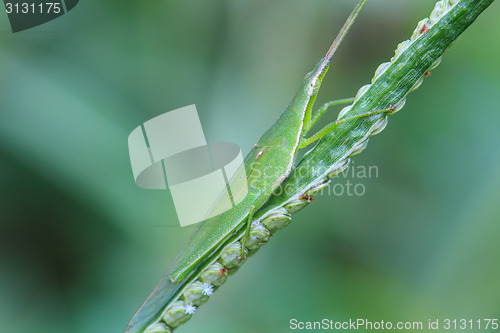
{"type": "Point", "coordinates": [81, 245]}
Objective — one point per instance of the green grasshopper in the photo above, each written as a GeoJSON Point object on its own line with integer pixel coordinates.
{"type": "Point", "coordinates": [269, 162]}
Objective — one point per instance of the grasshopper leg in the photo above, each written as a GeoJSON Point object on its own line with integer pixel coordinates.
{"type": "Point", "coordinates": [322, 110]}
{"type": "Point", "coordinates": [304, 142]}
{"type": "Point", "coordinates": [246, 236]}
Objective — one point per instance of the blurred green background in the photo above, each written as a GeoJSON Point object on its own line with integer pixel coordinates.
{"type": "Point", "coordinates": [81, 245]}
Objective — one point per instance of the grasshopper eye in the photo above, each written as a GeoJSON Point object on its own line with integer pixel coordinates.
{"type": "Point", "coordinates": [312, 87]}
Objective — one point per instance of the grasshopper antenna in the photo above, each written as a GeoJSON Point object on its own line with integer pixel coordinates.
{"type": "Point", "coordinates": [345, 28]}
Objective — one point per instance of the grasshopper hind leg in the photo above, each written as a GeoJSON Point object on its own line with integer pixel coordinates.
{"type": "Point", "coordinates": [304, 142]}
